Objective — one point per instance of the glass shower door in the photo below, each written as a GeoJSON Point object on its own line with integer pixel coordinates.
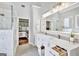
{"type": "Point", "coordinates": [5, 23]}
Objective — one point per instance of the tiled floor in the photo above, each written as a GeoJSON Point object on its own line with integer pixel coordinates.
{"type": "Point", "coordinates": [27, 50]}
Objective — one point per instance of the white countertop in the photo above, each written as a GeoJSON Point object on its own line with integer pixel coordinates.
{"type": "Point", "coordinates": [60, 42]}
{"type": "Point", "coordinates": [66, 44]}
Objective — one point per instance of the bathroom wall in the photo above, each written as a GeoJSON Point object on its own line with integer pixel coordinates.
{"type": "Point", "coordinates": [35, 22]}
{"type": "Point", "coordinates": [5, 18]}
{"type": "Point", "coordinates": [36, 19]}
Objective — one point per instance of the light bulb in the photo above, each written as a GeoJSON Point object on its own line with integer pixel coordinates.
{"type": "Point", "coordinates": [57, 7]}
{"type": "Point", "coordinates": [63, 4]}
{"type": "Point", "coordinates": [67, 4]}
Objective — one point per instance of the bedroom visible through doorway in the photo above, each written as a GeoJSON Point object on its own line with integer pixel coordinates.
{"type": "Point", "coordinates": [23, 31]}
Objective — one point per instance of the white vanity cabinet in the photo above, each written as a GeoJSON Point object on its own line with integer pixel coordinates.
{"type": "Point", "coordinates": [72, 48]}
{"type": "Point", "coordinates": [50, 41]}
{"type": "Point", "coordinates": [41, 39]}
{"type": "Point", "coordinates": [45, 40]}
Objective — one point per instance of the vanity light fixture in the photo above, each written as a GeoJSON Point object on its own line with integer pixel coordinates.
{"type": "Point", "coordinates": [63, 4]}
{"type": "Point", "coordinates": [58, 7]}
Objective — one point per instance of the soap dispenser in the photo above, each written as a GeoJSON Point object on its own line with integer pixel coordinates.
{"type": "Point", "coordinates": [72, 37]}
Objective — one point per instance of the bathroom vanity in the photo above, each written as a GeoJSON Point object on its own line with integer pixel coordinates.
{"type": "Point", "coordinates": [56, 30]}
{"type": "Point", "coordinates": [49, 42]}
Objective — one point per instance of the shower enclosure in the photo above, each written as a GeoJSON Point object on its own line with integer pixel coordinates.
{"type": "Point", "coordinates": [7, 30]}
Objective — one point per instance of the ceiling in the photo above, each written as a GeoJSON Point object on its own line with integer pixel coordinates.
{"type": "Point", "coordinates": [45, 6]}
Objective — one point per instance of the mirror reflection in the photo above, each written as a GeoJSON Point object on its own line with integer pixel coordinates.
{"type": "Point", "coordinates": [65, 20]}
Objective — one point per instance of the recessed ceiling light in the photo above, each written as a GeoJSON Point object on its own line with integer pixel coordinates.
{"type": "Point", "coordinates": [23, 6]}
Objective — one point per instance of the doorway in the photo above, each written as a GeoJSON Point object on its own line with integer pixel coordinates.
{"type": "Point", "coordinates": [23, 31]}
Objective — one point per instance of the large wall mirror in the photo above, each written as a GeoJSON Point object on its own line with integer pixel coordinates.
{"type": "Point", "coordinates": [67, 21]}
